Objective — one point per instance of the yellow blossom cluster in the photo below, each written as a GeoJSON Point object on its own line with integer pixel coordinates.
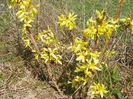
{"type": "Point", "coordinates": [26, 14]}
{"type": "Point", "coordinates": [100, 26]}
{"type": "Point", "coordinates": [97, 89]}
{"type": "Point", "coordinates": [67, 21]}
{"type": "Point", "coordinates": [49, 50]}
{"type": "Point", "coordinates": [87, 61]}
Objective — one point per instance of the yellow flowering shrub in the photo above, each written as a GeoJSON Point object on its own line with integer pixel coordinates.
{"type": "Point", "coordinates": [89, 59]}
{"type": "Point", "coordinates": [26, 14]}
{"type": "Point", "coordinates": [88, 52]}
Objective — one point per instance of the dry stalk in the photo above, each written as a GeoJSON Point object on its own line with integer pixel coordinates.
{"type": "Point", "coordinates": [119, 8]}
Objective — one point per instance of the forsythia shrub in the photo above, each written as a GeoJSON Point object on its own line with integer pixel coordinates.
{"type": "Point", "coordinates": [88, 50]}
{"type": "Point", "coordinates": [26, 13]}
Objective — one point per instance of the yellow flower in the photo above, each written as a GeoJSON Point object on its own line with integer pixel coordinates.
{"type": "Point", "coordinates": [100, 15]}
{"type": "Point", "coordinates": [79, 45]}
{"type": "Point", "coordinates": [126, 21]}
{"type": "Point", "coordinates": [26, 42]}
{"type": "Point", "coordinates": [93, 66]}
{"type": "Point", "coordinates": [67, 21]}
{"type": "Point", "coordinates": [49, 54]}
{"type": "Point", "coordinates": [102, 28]}
{"type": "Point", "coordinates": [47, 36]}
{"type": "Point", "coordinates": [90, 30]}
{"type": "Point", "coordinates": [97, 89]}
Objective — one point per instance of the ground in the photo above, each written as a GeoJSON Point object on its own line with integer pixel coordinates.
{"type": "Point", "coordinates": [16, 81]}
